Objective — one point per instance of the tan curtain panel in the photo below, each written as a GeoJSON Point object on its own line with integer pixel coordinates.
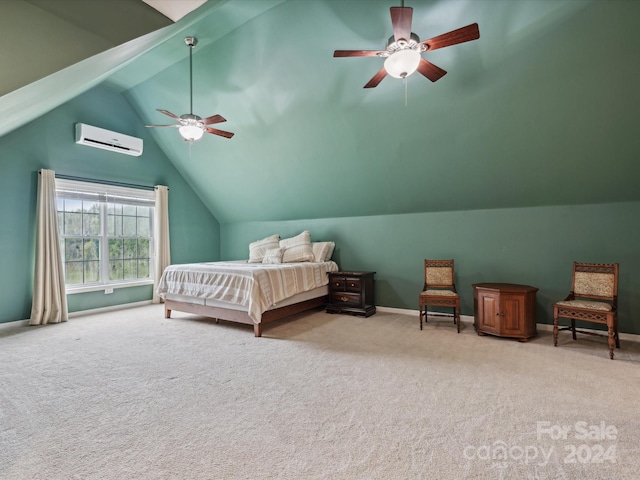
{"type": "Point", "coordinates": [162, 251]}
{"type": "Point", "coordinates": [49, 303]}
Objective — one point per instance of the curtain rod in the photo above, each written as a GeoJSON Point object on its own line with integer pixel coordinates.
{"type": "Point", "coordinates": [104, 182]}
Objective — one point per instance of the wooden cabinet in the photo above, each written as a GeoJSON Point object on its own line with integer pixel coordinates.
{"type": "Point", "coordinates": [505, 309]}
{"type": "Point", "coordinates": [351, 292]}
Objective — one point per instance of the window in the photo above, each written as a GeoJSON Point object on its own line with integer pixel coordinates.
{"type": "Point", "coordinates": [106, 234]}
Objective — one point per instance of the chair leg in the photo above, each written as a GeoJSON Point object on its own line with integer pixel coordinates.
{"type": "Point", "coordinates": [611, 341]}
{"type": "Point", "coordinates": [456, 317]}
{"type": "Point", "coordinates": [573, 328]}
{"type": "Point", "coordinates": [420, 317]}
{"type": "Point", "coordinates": [615, 332]}
{"type": "Point", "coordinates": [555, 327]}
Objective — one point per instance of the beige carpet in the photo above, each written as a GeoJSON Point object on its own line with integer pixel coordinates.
{"type": "Point", "coordinates": [131, 395]}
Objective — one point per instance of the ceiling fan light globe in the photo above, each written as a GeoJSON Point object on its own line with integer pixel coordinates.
{"type": "Point", "coordinates": [191, 133]}
{"type": "Point", "coordinates": [402, 63]}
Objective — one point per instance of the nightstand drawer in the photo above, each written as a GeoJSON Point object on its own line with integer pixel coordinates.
{"type": "Point", "coordinates": [338, 284]}
{"type": "Point", "coordinates": [353, 284]}
{"type": "Point", "coordinates": [344, 298]}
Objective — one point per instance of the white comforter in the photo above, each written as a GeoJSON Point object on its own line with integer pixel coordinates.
{"type": "Point", "coordinates": [255, 286]}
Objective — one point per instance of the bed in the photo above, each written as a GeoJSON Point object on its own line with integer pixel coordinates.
{"type": "Point", "coordinates": [249, 293]}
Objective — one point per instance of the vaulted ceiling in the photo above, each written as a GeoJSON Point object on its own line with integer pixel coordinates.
{"type": "Point", "coordinates": [540, 110]}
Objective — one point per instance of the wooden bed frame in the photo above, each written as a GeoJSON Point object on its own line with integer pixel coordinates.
{"type": "Point", "coordinates": [240, 316]}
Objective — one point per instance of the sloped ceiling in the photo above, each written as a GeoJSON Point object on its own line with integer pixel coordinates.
{"type": "Point", "coordinates": [40, 37]}
{"type": "Point", "coordinates": [540, 110]}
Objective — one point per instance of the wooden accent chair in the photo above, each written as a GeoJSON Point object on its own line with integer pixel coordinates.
{"type": "Point", "coordinates": [593, 298]}
{"type": "Point", "coordinates": [439, 289]}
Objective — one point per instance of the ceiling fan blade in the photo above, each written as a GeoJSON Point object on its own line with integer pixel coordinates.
{"type": "Point", "coordinates": [222, 133]}
{"type": "Point", "coordinates": [214, 119]}
{"type": "Point", "coordinates": [377, 78]}
{"type": "Point", "coordinates": [461, 35]}
{"type": "Point", "coordinates": [401, 21]}
{"type": "Point", "coordinates": [166, 112]}
{"type": "Point", "coordinates": [431, 71]}
{"type": "Point", "coordinates": [170, 125]}
{"type": "Point", "coordinates": [357, 53]}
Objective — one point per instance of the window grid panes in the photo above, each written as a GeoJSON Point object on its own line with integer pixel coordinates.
{"type": "Point", "coordinates": [104, 242]}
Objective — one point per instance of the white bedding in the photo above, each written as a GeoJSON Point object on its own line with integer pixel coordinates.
{"type": "Point", "coordinates": [255, 286]}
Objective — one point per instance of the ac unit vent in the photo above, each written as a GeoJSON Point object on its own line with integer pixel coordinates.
{"type": "Point", "coordinates": [108, 140]}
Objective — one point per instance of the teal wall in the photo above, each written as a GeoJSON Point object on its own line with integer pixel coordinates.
{"type": "Point", "coordinates": [49, 143]}
{"type": "Point", "coordinates": [534, 246]}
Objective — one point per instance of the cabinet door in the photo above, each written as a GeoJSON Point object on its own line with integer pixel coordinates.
{"type": "Point", "coordinates": [512, 315]}
{"type": "Point", "coordinates": [488, 312]}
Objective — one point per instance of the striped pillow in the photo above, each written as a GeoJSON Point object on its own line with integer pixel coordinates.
{"type": "Point", "coordinates": [322, 251]}
{"type": "Point", "coordinates": [273, 255]}
{"type": "Point", "coordinates": [259, 248]}
{"type": "Point", "coordinates": [298, 248]}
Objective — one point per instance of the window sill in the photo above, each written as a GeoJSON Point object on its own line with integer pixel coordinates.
{"type": "Point", "coordinates": [106, 287]}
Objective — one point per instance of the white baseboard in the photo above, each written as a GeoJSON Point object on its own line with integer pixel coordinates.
{"type": "Point", "coordinates": [400, 311]}
{"type": "Point", "coordinates": [12, 324]}
{"type": "Point", "coordinates": [632, 337]}
{"type": "Point", "coordinates": [93, 311]}
{"type": "Point", "coordinates": [81, 313]}
{"type": "Point", "coordinates": [407, 311]}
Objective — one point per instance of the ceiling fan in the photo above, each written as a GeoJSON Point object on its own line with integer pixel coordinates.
{"type": "Point", "coordinates": [192, 127]}
{"type": "Point", "coordinates": [404, 49]}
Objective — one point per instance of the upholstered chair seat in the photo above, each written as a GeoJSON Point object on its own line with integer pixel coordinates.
{"type": "Point", "coordinates": [584, 304]}
{"type": "Point", "coordinates": [437, 293]}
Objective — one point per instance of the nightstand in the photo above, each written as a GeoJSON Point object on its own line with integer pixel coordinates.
{"type": "Point", "coordinates": [351, 292]}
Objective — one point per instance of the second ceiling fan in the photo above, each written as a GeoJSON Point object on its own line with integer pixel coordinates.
{"type": "Point", "coordinates": [192, 127]}
{"type": "Point", "coordinates": [404, 49]}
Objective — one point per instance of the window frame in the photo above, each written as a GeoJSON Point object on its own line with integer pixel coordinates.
{"type": "Point", "coordinates": [103, 194]}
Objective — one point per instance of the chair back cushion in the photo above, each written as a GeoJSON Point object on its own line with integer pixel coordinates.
{"type": "Point", "coordinates": [594, 284]}
{"type": "Point", "coordinates": [439, 276]}
{"type": "Point", "coordinates": [595, 280]}
{"type": "Point", "coordinates": [438, 273]}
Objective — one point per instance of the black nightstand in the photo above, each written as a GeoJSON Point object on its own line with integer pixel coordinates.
{"type": "Point", "coordinates": [351, 292]}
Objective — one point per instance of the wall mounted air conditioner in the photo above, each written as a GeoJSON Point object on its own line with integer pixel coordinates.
{"type": "Point", "coordinates": [108, 140]}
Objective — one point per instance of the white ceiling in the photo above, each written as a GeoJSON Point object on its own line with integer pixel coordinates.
{"type": "Point", "coordinates": [174, 9]}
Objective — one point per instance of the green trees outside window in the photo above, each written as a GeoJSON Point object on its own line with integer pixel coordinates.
{"type": "Point", "coordinates": [104, 240]}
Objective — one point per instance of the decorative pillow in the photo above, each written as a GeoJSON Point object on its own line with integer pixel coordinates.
{"type": "Point", "coordinates": [322, 251]}
{"type": "Point", "coordinates": [259, 248]}
{"type": "Point", "coordinates": [273, 255]}
{"type": "Point", "coordinates": [298, 248]}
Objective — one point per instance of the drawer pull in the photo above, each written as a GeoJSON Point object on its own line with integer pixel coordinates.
{"type": "Point", "coordinates": [344, 299]}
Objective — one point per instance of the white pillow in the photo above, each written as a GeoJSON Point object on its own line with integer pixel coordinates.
{"type": "Point", "coordinates": [322, 251]}
{"type": "Point", "coordinates": [273, 255]}
{"type": "Point", "coordinates": [259, 248]}
{"type": "Point", "coordinates": [298, 248]}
